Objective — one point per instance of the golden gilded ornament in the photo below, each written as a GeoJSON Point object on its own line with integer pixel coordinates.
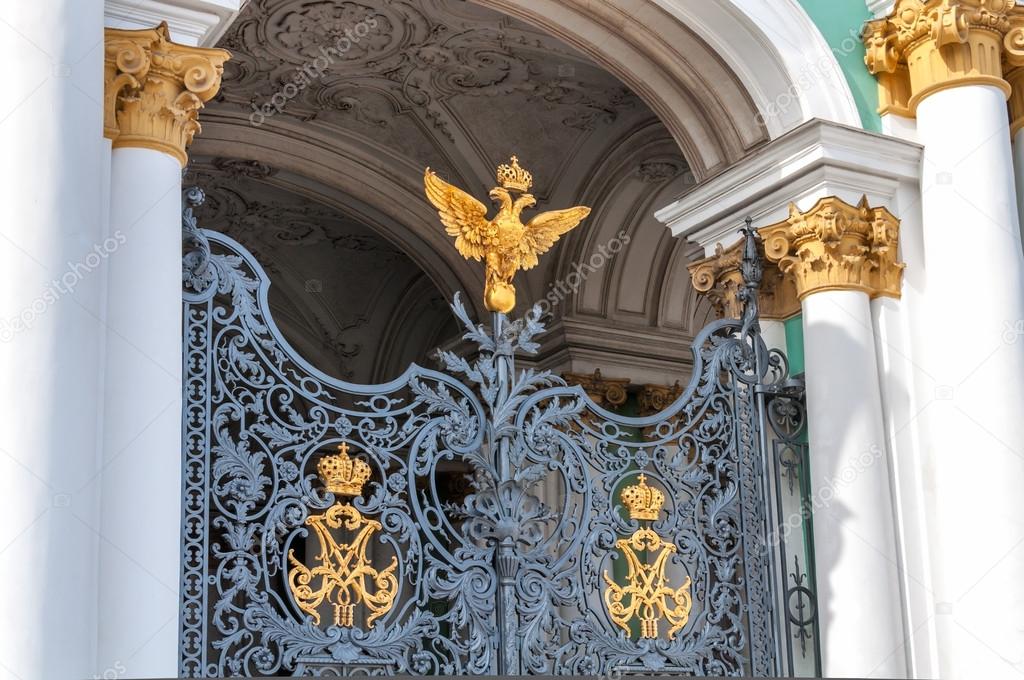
{"type": "Point", "coordinates": [154, 89]}
{"type": "Point", "coordinates": [720, 279]}
{"type": "Point", "coordinates": [344, 576]}
{"type": "Point", "coordinates": [837, 246]}
{"type": "Point", "coordinates": [643, 501]}
{"type": "Point", "coordinates": [343, 475]}
{"type": "Point", "coordinates": [648, 596]}
{"type": "Point", "coordinates": [924, 46]}
{"type": "Point", "coordinates": [504, 243]}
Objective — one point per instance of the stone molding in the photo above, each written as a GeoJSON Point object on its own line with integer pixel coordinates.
{"type": "Point", "coordinates": [192, 22]}
{"type": "Point", "coordinates": [816, 160]}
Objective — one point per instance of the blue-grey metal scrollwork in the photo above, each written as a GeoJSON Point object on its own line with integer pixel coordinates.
{"type": "Point", "coordinates": [509, 574]}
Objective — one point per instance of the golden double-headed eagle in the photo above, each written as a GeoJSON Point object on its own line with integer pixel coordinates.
{"type": "Point", "coordinates": [504, 243]}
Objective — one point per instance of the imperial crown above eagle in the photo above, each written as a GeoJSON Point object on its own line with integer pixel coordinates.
{"type": "Point", "coordinates": [504, 243]}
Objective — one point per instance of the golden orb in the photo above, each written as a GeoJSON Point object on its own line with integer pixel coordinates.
{"type": "Point", "coordinates": [500, 297]}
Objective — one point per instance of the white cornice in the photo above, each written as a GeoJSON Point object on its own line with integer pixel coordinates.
{"type": "Point", "coordinates": [192, 22]}
{"type": "Point", "coordinates": [815, 160]}
{"type": "Point", "coordinates": [880, 8]}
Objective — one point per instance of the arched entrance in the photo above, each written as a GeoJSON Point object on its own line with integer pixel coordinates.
{"type": "Point", "coordinates": [314, 165]}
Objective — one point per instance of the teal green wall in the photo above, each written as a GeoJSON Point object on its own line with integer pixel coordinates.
{"type": "Point", "coordinates": [840, 21]}
{"type": "Point", "coordinates": [795, 344]}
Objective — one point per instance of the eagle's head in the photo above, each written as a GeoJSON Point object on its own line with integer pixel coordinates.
{"type": "Point", "coordinates": [524, 201]}
{"type": "Point", "coordinates": [502, 196]}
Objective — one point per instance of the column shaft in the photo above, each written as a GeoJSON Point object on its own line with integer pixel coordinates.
{"type": "Point", "coordinates": [141, 508]}
{"type": "Point", "coordinates": [975, 301]}
{"type": "Point", "coordinates": [859, 598]}
{"type": "Point", "coordinates": [1018, 172]}
{"type": "Point", "coordinates": [51, 305]}
{"type": "Point", "coordinates": [841, 256]}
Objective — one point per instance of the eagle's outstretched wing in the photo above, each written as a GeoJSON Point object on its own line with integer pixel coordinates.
{"type": "Point", "coordinates": [463, 216]}
{"type": "Point", "coordinates": [543, 230]}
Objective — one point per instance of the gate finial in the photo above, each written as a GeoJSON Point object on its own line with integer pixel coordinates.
{"type": "Point", "coordinates": [752, 269]}
{"type": "Point", "coordinates": [504, 243]}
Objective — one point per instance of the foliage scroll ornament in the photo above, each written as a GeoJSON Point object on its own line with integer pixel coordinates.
{"type": "Point", "coordinates": [506, 576]}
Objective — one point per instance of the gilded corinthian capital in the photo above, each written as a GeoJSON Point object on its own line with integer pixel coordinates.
{"type": "Point", "coordinates": [154, 88]}
{"type": "Point", "coordinates": [719, 278]}
{"type": "Point", "coordinates": [927, 45]}
{"type": "Point", "coordinates": [837, 246]}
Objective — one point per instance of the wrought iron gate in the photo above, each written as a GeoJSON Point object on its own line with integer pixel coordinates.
{"type": "Point", "coordinates": [479, 520]}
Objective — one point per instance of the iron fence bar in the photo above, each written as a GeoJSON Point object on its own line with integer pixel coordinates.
{"type": "Point", "coordinates": [505, 561]}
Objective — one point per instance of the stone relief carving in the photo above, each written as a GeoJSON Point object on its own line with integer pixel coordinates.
{"type": "Point", "coordinates": [656, 171]}
{"type": "Point", "coordinates": [417, 55]}
{"type": "Point", "coordinates": [258, 223]}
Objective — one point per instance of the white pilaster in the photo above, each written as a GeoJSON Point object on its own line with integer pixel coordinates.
{"type": "Point", "coordinates": [855, 551]}
{"type": "Point", "coordinates": [975, 283]}
{"type": "Point", "coordinates": [52, 179]}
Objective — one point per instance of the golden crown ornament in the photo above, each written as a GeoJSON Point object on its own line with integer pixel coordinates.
{"type": "Point", "coordinates": [343, 475]}
{"type": "Point", "coordinates": [643, 502]}
{"type": "Point", "coordinates": [513, 177]}
{"type": "Point", "coordinates": [645, 595]}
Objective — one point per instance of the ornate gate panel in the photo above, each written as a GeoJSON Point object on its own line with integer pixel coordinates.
{"type": "Point", "coordinates": [474, 520]}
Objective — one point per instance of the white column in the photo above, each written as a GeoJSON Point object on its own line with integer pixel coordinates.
{"type": "Point", "coordinates": [157, 103]}
{"type": "Point", "coordinates": [52, 181]}
{"type": "Point", "coordinates": [854, 543]}
{"type": "Point", "coordinates": [141, 508]}
{"type": "Point", "coordinates": [839, 257]}
{"type": "Point", "coordinates": [906, 390]}
{"type": "Point", "coordinates": [975, 355]}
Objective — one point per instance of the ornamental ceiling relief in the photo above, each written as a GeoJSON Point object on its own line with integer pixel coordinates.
{"type": "Point", "coordinates": [459, 88]}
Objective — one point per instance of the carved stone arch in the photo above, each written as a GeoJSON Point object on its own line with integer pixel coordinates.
{"type": "Point", "coordinates": [722, 75]}
{"type": "Point", "coordinates": [644, 169]}
{"type": "Point", "coordinates": [687, 93]}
